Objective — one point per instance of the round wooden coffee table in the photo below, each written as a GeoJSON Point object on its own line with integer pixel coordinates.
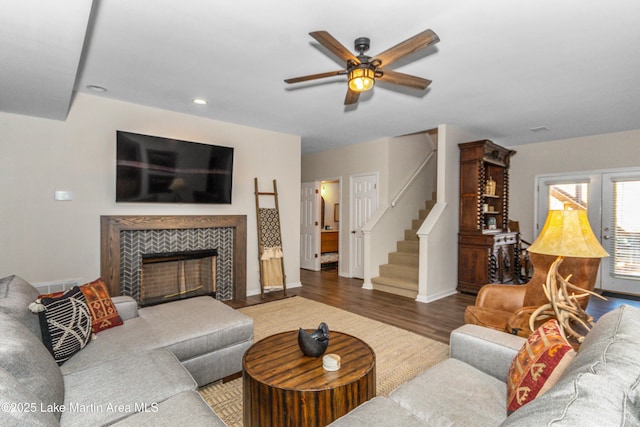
{"type": "Point", "coordinates": [283, 387]}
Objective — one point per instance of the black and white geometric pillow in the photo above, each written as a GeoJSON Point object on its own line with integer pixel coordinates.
{"type": "Point", "coordinates": [65, 323]}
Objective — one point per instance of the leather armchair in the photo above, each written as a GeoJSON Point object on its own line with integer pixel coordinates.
{"type": "Point", "coordinates": [508, 307]}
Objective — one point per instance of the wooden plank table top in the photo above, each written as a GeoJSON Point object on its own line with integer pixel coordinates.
{"type": "Point", "coordinates": [282, 386]}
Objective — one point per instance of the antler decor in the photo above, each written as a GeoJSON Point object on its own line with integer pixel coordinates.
{"type": "Point", "coordinates": [564, 304]}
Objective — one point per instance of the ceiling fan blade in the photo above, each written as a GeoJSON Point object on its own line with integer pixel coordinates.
{"type": "Point", "coordinates": [352, 97]}
{"type": "Point", "coordinates": [403, 79]}
{"type": "Point", "coordinates": [315, 76]}
{"type": "Point", "coordinates": [328, 41]}
{"type": "Point", "coordinates": [412, 44]}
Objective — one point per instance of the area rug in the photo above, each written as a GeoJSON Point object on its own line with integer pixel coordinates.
{"type": "Point", "coordinates": [400, 354]}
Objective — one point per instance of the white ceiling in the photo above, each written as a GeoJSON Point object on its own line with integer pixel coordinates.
{"type": "Point", "coordinates": [501, 68]}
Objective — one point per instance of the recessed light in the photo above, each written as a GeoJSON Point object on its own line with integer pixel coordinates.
{"type": "Point", "coordinates": [96, 88]}
{"type": "Point", "coordinates": [539, 129]}
{"type": "Point", "coordinates": [200, 101]}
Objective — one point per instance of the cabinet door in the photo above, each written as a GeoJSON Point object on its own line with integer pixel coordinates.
{"type": "Point", "coordinates": [473, 267]}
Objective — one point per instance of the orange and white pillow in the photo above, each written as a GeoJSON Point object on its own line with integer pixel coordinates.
{"type": "Point", "coordinates": [538, 365]}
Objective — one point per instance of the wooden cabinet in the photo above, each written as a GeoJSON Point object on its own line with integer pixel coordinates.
{"type": "Point", "coordinates": [328, 241]}
{"type": "Point", "coordinates": [486, 248]}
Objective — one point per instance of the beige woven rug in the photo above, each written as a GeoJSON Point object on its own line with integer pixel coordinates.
{"type": "Point", "coordinates": [400, 355]}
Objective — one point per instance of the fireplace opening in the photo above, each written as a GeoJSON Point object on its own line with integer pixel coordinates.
{"type": "Point", "coordinates": [170, 276]}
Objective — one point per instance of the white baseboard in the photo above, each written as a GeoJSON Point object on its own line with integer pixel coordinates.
{"type": "Point", "coordinates": [289, 286]}
{"type": "Point", "coordinates": [435, 297]}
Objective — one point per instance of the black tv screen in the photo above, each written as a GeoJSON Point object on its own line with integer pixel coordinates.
{"type": "Point", "coordinates": [162, 170]}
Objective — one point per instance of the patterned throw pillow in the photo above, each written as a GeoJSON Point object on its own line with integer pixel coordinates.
{"type": "Point", "coordinates": [104, 314]}
{"type": "Point", "coordinates": [65, 323]}
{"type": "Point", "coordinates": [538, 365]}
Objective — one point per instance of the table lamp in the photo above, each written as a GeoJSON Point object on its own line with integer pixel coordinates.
{"type": "Point", "coordinates": [566, 233]}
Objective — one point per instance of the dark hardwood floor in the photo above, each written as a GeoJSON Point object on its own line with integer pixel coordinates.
{"type": "Point", "coordinates": [434, 320]}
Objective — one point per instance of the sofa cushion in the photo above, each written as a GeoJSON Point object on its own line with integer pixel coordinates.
{"type": "Point", "coordinates": [600, 387]}
{"type": "Point", "coordinates": [15, 296]}
{"type": "Point", "coordinates": [21, 407]}
{"type": "Point", "coordinates": [118, 388]}
{"type": "Point", "coordinates": [23, 356]}
{"type": "Point", "coordinates": [196, 326]}
{"type": "Point", "coordinates": [612, 346]}
{"type": "Point", "coordinates": [133, 336]}
{"type": "Point", "coordinates": [538, 365]}
{"type": "Point", "coordinates": [381, 412]}
{"type": "Point", "coordinates": [442, 395]}
{"type": "Point", "coordinates": [65, 323]}
{"type": "Point", "coordinates": [583, 400]}
{"type": "Point", "coordinates": [186, 408]}
{"type": "Point", "coordinates": [104, 314]}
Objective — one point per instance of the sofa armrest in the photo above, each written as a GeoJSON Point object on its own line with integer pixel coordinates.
{"type": "Point", "coordinates": [486, 349]}
{"type": "Point", "coordinates": [127, 307]}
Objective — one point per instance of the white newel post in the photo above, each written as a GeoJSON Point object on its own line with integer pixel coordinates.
{"type": "Point", "coordinates": [366, 243]}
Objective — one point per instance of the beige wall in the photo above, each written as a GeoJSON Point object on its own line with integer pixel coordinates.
{"type": "Point", "coordinates": [393, 159]}
{"type": "Point", "coordinates": [614, 150]}
{"type": "Point", "coordinates": [340, 163]}
{"type": "Point", "coordinates": [45, 240]}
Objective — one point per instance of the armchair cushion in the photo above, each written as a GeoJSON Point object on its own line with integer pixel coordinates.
{"type": "Point", "coordinates": [487, 317]}
{"type": "Point", "coordinates": [501, 297]}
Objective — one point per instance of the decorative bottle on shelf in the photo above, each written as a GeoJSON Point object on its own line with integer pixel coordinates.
{"type": "Point", "coordinates": [490, 187]}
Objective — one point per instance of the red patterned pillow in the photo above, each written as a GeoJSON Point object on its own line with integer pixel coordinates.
{"type": "Point", "coordinates": [538, 365]}
{"type": "Point", "coordinates": [103, 313]}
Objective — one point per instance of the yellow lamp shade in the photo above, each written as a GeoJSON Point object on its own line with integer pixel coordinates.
{"type": "Point", "coordinates": [568, 233]}
{"type": "Point", "coordinates": [361, 79]}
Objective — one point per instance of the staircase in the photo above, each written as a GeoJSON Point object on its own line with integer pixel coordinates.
{"type": "Point", "coordinates": [400, 275]}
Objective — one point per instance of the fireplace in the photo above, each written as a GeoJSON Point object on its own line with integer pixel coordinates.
{"type": "Point", "coordinates": [124, 240]}
{"type": "Point", "coordinates": [169, 276]}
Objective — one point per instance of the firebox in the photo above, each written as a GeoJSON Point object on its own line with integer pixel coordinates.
{"type": "Point", "coordinates": [170, 276]}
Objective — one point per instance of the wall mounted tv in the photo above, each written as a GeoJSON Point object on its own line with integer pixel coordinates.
{"type": "Point", "coordinates": [152, 169]}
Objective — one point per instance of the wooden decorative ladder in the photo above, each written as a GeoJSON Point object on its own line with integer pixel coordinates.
{"type": "Point", "coordinates": [270, 255]}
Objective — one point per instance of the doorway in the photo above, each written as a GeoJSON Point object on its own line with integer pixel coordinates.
{"type": "Point", "coordinates": [613, 207]}
{"type": "Point", "coordinates": [330, 225]}
{"type": "Point", "coordinates": [320, 225]}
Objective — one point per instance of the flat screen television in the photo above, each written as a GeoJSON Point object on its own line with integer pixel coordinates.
{"type": "Point", "coordinates": [162, 170]}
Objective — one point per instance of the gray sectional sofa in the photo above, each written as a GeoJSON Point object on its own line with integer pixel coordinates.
{"type": "Point", "coordinates": [601, 386]}
{"type": "Point", "coordinates": [144, 372]}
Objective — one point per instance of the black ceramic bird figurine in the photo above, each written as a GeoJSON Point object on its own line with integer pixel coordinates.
{"type": "Point", "coordinates": [315, 343]}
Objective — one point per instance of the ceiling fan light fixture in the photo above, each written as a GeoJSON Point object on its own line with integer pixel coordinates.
{"type": "Point", "coordinates": [361, 79]}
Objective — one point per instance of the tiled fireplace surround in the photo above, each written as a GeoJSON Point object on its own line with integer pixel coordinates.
{"type": "Point", "coordinates": [125, 238]}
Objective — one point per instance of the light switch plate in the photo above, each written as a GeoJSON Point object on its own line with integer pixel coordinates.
{"type": "Point", "coordinates": [63, 195]}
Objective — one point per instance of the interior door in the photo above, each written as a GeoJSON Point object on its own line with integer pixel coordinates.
{"type": "Point", "coordinates": [310, 226]}
{"type": "Point", "coordinates": [621, 232]}
{"type": "Point", "coordinates": [364, 202]}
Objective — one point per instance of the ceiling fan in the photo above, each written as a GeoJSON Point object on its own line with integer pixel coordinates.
{"type": "Point", "coordinates": [363, 70]}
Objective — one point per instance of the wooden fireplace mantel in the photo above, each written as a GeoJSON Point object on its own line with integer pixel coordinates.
{"type": "Point", "coordinates": [110, 227]}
